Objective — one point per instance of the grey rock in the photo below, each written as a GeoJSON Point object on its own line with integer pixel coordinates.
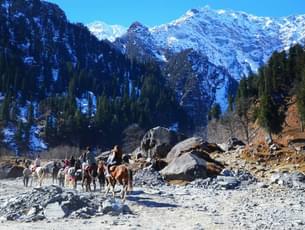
{"type": "Point", "coordinates": [48, 202]}
{"type": "Point", "coordinates": [186, 167]}
{"type": "Point", "coordinates": [295, 179]}
{"type": "Point", "coordinates": [149, 177]}
{"type": "Point", "coordinates": [228, 182]}
{"type": "Point", "coordinates": [157, 142]}
{"type": "Point", "coordinates": [8, 170]}
{"type": "Point", "coordinates": [227, 172]}
{"type": "Point", "coordinates": [115, 207]}
{"type": "Point", "coordinates": [189, 145]}
{"type": "Point", "coordinates": [231, 144]}
{"type": "Point", "coordinates": [54, 211]}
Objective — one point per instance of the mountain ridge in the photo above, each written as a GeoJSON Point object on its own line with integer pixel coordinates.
{"type": "Point", "coordinates": [233, 41]}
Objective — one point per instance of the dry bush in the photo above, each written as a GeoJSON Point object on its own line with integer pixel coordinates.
{"type": "Point", "coordinates": [6, 154]}
{"type": "Point", "coordinates": [61, 152]}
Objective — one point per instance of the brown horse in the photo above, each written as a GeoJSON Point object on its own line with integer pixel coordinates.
{"type": "Point", "coordinates": [87, 178]}
{"type": "Point", "coordinates": [100, 174]}
{"type": "Point", "coordinates": [119, 174]}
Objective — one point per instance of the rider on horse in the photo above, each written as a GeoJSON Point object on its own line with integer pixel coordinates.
{"type": "Point", "coordinates": [115, 158]}
{"type": "Point", "coordinates": [72, 161]}
{"type": "Point", "coordinates": [90, 160]}
{"type": "Point", "coordinates": [37, 163]}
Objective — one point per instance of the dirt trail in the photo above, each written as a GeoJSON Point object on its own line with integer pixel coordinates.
{"type": "Point", "coordinates": [170, 207]}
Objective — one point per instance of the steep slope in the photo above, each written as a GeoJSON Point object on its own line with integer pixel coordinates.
{"type": "Point", "coordinates": [60, 83]}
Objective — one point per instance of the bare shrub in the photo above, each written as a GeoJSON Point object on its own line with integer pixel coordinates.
{"type": "Point", "coordinates": [61, 152]}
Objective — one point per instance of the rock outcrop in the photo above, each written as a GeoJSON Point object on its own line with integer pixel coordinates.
{"type": "Point", "coordinates": [9, 170]}
{"type": "Point", "coordinates": [190, 159]}
{"type": "Point", "coordinates": [197, 144]}
{"type": "Point", "coordinates": [157, 142]}
{"type": "Point", "coordinates": [53, 202]}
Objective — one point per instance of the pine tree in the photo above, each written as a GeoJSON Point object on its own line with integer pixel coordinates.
{"type": "Point", "coordinates": [243, 106]}
{"type": "Point", "coordinates": [5, 109]}
{"type": "Point", "coordinates": [301, 101]}
{"type": "Point", "coordinates": [269, 118]}
{"type": "Point", "coordinates": [215, 112]}
{"type": "Point", "coordinates": [30, 114]}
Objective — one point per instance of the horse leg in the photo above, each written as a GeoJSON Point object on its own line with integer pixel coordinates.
{"type": "Point", "coordinates": [107, 187]}
{"type": "Point", "coordinates": [124, 192]}
{"type": "Point", "coordinates": [129, 181]}
{"type": "Point", "coordinates": [31, 180]}
{"type": "Point", "coordinates": [113, 186]}
{"type": "Point", "coordinates": [41, 178]}
{"type": "Point", "coordinates": [94, 184]}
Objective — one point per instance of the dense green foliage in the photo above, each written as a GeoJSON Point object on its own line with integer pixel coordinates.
{"type": "Point", "coordinates": [282, 77]}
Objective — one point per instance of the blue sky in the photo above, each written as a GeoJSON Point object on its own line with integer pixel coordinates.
{"type": "Point", "coordinates": [156, 12]}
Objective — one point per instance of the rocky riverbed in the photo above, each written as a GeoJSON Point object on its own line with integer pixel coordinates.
{"type": "Point", "coordinates": [254, 205]}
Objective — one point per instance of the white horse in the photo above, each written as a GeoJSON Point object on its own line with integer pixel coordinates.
{"type": "Point", "coordinates": [61, 177]}
{"type": "Point", "coordinates": [39, 174]}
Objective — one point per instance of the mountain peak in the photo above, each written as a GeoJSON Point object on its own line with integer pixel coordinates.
{"type": "Point", "coordinates": [104, 31]}
{"type": "Point", "coordinates": [137, 27]}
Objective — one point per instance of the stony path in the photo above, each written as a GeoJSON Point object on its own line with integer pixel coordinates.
{"type": "Point", "coordinates": [169, 207]}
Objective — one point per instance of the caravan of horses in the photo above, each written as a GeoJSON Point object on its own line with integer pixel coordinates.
{"type": "Point", "coordinates": [68, 176]}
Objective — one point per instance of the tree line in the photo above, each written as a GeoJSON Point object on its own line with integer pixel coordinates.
{"type": "Point", "coordinates": [262, 96]}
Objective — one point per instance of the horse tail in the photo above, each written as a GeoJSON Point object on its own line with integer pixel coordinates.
{"type": "Point", "coordinates": [129, 180]}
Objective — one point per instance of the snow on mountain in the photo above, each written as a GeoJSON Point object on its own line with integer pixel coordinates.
{"type": "Point", "coordinates": [104, 31]}
{"type": "Point", "coordinates": [238, 41]}
{"type": "Point", "coordinates": [235, 42]}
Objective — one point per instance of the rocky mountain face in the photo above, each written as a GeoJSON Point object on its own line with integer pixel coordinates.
{"type": "Point", "coordinates": [215, 48]}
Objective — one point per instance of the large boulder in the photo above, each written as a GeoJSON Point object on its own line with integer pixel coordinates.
{"type": "Point", "coordinates": [9, 170]}
{"type": "Point", "coordinates": [231, 144]}
{"type": "Point", "coordinates": [190, 159]}
{"type": "Point", "coordinates": [132, 137]}
{"type": "Point", "coordinates": [186, 167]}
{"type": "Point", "coordinates": [197, 144]}
{"type": "Point", "coordinates": [15, 171]}
{"type": "Point", "coordinates": [157, 142]}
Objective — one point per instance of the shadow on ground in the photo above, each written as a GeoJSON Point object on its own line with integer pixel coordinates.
{"type": "Point", "coordinates": [145, 201]}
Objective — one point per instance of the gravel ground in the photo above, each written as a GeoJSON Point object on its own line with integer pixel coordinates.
{"type": "Point", "coordinates": [185, 207]}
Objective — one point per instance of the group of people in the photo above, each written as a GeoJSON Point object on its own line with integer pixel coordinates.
{"type": "Point", "coordinates": [115, 158]}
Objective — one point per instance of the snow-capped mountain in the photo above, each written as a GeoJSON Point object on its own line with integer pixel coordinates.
{"type": "Point", "coordinates": [238, 41]}
{"type": "Point", "coordinates": [218, 46]}
{"type": "Point", "coordinates": [104, 31]}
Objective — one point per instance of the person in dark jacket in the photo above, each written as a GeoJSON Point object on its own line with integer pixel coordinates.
{"type": "Point", "coordinates": [115, 158]}
{"type": "Point", "coordinates": [72, 161]}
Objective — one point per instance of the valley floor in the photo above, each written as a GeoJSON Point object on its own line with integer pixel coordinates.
{"type": "Point", "coordinates": [186, 207]}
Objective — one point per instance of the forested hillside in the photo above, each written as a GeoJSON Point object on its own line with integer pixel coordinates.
{"type": "Point", "coordinates": [263, 98]}
{"type": "Point", "coordinates": [59, 84]}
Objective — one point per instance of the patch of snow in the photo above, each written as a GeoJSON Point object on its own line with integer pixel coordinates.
{"type": "Point", "coordinates": [36, 143]}
{"type": "Point", "coordinates": [221, 97]}
{"type": "Point", "coordinates": [9, 136]}
{"type": "Point", "coordinates": [83, 103]}
{"type": "Point", "coordinates": [174, 127]}
{"type": "Point", "coordinates": [55, 74]}
{"type": "Point", "coordinates": [104, 31]}
{"type": "Point", "coordinates": [29, 60]}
